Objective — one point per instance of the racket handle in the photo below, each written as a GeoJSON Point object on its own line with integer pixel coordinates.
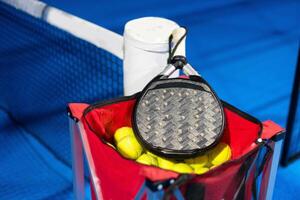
{"type": "Point", "coordinates": [177, 34]}
{"type": "Point", "coordinates": [189, 70]}
{"type": "Point", "coordinates": [169, 70]}
{"type": "Point", "coordinates": [178, 57]}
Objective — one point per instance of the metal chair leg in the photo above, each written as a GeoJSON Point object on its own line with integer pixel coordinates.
{"type": "Point", "coordinates": [77, 162]}
{"type": "Point", "coordinates": [274, 167]}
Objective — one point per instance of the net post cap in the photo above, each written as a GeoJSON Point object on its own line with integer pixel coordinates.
{"type": "Point", "coordinates": [149, 33]}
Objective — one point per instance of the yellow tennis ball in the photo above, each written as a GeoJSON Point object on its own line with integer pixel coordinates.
{"type": "Point", "coordinates": [151, 154]}
{"type": "Point", "coordinates": [165, 163]}
{"type": "Point", "coordinates": [182, 168]}
{"type": "Point", "coordinates": [129, 147]}
{"type": "Point", "coordinates": [200, 170]}
{"type": "Point", "coordinates": [219, 154]}
{"type": "Point", "coordinates": [147, 160]}
{"type": "Point", "coordinates": [198, 161]}
{"type": "Point", "coordinates": [195, 166]}
{"type": "Point", "coordinates": [123, 132]}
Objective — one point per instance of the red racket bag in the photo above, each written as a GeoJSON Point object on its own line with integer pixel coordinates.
{"type": "Point", "coordinates": [251, 142]}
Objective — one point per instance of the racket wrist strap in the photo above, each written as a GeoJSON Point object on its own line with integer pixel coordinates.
{"type": "Point", "coordinates": [178, 61]}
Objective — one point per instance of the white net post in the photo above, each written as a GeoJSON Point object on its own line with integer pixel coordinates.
{"type": "Point", "coordinates": [145, 50]}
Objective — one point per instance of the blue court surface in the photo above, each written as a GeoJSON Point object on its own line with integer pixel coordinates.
{"type": "Point", "coordinates": [246, 49]}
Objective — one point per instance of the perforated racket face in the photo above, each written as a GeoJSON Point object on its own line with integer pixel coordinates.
{"type": "Point", "coordinates": [178, 117]}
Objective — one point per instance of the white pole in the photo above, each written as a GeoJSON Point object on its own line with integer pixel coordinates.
{"type": "Point", "coordinates": [145, 50]}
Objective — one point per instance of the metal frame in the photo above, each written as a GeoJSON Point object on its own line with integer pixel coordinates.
{"type": "Point", "coordinates": [286, 159]}
{"type": "Point", "coordinates": [80, 148]}
{"type": "Point", "coordinates": [77, 161]}
{"type": "Point", "coordinates": [273, 170]}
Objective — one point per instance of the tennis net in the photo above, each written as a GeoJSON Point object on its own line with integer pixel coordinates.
{"type": "Point", "coordinates": [48, 58]}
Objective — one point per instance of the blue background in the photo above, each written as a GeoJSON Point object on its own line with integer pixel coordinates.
{"type": "Point", "coordinates": [246, 49]}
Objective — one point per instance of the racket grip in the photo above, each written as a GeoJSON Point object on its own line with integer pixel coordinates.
{"type": "Point", "coordinates": [177, 34]}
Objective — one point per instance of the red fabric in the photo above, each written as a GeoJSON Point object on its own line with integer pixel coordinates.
{"type": "Point", "coordinates": [77, 109]}
{"type": "Point", "coordinates": [239, 133]}
{"type": "Point", "coordinates": [214, 181]}
{"type": "Point", "coordinates": [270, 129]}
{"type": "Point", "coordinates": [249, 184]}
{"type": "Point", "coordinates": [121, 178]}
{"type": "Point", "coordinates": [93, 194]}
{"type": "Point", "coordinates": [223, 181]}
{"type": "Point", "coordinates": [157, 174]}
{"type": "Point", "coordinates": [107, 119]}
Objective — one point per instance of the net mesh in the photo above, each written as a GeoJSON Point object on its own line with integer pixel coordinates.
{"type": "Point", "coordinates": [43, 68]}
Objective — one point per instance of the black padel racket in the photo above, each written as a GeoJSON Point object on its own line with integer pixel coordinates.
{"type": "Point", "coordinates": [178, 117]}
